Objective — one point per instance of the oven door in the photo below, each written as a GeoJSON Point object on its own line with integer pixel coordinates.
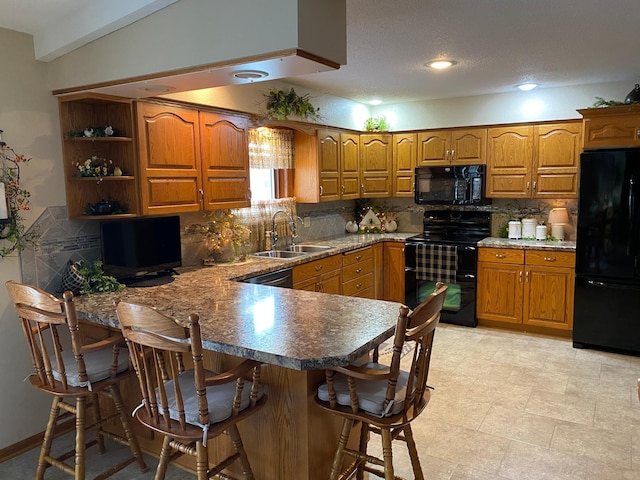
{"type": "Point", "coordinates": [460, 303]}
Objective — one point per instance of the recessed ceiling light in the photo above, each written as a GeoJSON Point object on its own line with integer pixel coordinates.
{"type": "Point", "coordinates": [525, 87]}
{"type": "Point", "coordinates": [441, 64]}
{"type": "Point", "coordinates": [249, 74]}
{"type": "Point", "coordinates": [157, 88]}
{"type": "Point", "coordinates": [375, 101]}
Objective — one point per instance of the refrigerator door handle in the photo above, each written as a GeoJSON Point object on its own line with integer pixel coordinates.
{"type": "Point", "coordinates": [631, 247]}
{"type": "Point", "coordinates": [595, 283]}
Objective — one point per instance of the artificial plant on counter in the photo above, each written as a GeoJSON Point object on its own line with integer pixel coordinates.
{"type": "Point", "coordinates": [14, 237]}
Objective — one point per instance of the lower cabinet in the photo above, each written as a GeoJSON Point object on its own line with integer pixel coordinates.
{"type": "Point", "coordinates": [358, 273]}
{"type": "Point", "coordinates": [526, 288]}
{"type": "Point", "coordinates": [323, 275]}
{"type": "Point", "coordinates": [393, 272]}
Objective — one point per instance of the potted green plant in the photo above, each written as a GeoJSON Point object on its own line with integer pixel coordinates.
{"type": "Point", "coordinates": [376, 124]}
{"type": "Point", "coordinates": [281, 105]}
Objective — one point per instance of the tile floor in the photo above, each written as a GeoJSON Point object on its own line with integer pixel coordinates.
{"type": "Point", "coordinates": [506, 406]}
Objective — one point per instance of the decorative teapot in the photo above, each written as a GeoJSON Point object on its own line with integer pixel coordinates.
{"type": "Point", "coordinates": [634, 95]}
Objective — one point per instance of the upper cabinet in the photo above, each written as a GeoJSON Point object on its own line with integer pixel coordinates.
{"type": "Point", "coordinates": [611, 126]}
{"type": "Point", "coordinates": [327, 166]}
{"type": "Point", "coordinates": [405, 155]}
{"type": "Point", "coordinates": [115, 151]}
{"type": "Point", "coordinates": [376, 152]}
{"type": "Point", "coordinates": [465, 146]}
{"type": "Point", "coordinates": [191, 160]}
{"type": "Point", "coordinates": [534, 161]}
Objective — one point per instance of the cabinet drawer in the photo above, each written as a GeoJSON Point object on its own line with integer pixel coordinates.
{"type": "Point", "coordinates": [356, 270]}
{"type": "Point", "coordinates": [501, 255]}
{"type": "Point", "coordinates": [352, 287]}
{"type": "Point", "coordinates": [357, 256]}
{"type": "Point", "coordinates": [316, 267]}
{"type": "Point", "coordinates": [550, 258]}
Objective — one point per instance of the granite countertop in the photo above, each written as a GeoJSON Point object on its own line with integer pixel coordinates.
{"type": "Point", "coordinates": [527, 244]}
{"type": "Point", "coordinates": [292, 328]}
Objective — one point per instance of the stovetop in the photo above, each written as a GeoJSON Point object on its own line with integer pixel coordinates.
{"type": "Point", "coordinates": [460, 227]}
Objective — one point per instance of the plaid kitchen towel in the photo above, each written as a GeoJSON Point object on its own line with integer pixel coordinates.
{"type": "Point", "coordinates": [436, 263]}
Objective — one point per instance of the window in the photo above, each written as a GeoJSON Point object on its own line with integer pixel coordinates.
{"type": "Point", "coordinates": [271, 163]}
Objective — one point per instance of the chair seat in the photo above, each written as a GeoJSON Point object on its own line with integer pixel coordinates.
{"type": "Point", "coordinates": [98, 364]}
{"type": "Point", "coordinates": [219, 397]}
{"type": "Point", "coordinates": [371, 393]}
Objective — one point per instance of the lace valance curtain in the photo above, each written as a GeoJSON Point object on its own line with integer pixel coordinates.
{"type": "Point", "coordinates": [270, 148]}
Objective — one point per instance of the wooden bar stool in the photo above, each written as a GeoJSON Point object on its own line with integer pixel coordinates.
{"type": "Point", "coordinates": [384, 399]}
{"type": "Point", "coordinates": [187, 406]}
{"type": "Point", "coordinates": [84, 372]}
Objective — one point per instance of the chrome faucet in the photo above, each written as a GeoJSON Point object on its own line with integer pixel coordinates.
{"type": "Point", "coordinates": [292, 226]}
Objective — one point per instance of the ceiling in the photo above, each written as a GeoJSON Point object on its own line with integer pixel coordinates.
{"type": "Point", "coordinates": [497, 45]}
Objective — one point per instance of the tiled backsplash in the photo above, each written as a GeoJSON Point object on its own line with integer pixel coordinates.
{"type": "Point", "coordinates": [65, 240]}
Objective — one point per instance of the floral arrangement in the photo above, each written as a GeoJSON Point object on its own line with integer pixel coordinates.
{"type": "Point", "coordinates": [91, 132]}
{"type": "Point", "coordinates": [376, 124]}
{"type": "Point", "coordinates": [13, 230]}
{"type": "Point", "coordinates": [281, 105]}
{"type": "Point", "coordinates": [94, 167]}
{"type": "Point", "coordinates": [225, 238]}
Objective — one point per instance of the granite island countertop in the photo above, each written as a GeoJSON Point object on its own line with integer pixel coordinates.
{"type": "Point", "coordinates": [291, 328]}
{"type": "Point", "coordinates": [569, 246]}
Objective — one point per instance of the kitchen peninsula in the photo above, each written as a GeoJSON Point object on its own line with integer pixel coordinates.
{"type": "Point", "coordinates": [295, 333]}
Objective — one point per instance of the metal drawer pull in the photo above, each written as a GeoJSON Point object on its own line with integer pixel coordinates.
{"type": "Point", "coordinates": [358, 270]}
{"type": "Point", "coordinates": [520, 277]}
{"type": "Point", "coordinates": [358, 257]}
{"type": "Point", "coordinates": [358, 285]}
{"type": "Point", "coordinates": [526, 278]}
{"type": "Point", "coordinates": [500, 255]}
{"type": "Point", "coordinates": [319, 267]}
{"type": "Point", "coordinates": [549, 259]}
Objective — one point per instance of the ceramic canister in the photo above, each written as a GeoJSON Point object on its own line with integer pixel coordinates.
{"type": "Point", "coordinates": [515, 230]}
{"type": "Point", "coordinates": [557, 231]}
{"type": "Point", "coordinates": [529, 227]}
{"type": "Point", "coordinates": [541, 232]}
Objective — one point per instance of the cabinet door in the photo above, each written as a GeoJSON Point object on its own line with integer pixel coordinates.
{"type": "Point", "coordinates": [394, 271]}
{"type": "Point", "coordinates": [469, 146]}
{"type": "Point", "coordinates": [329, 162]}
{"type": "Point", "coordinates": [405, 151]}
{"type": "Point", "coordinates": [331, 282]}
{"type": "Point", "coordinates": [509, 155]}
{"type": "Point", "coordinates": [375, 163]}
{"type": "Point", "coordinates": [556, 155]}
{"type": "Point", "coordinates": [349, 167]}
{"type": "Point", "coordinates": [611, 127]}
{"type": "Point", "coordinates": [225, 161]}
{"type": "Point", "coordinates": [548, 299]}
{"type": "Point", "coordinates": [169, 152]}
{"type": "Point", "coordinates": [499, 292]}
{"type": "Point", "coordinates": [434, 147]}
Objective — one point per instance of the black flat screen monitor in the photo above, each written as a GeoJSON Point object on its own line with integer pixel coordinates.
{"type": "Point", "coordinates": [141, 250]}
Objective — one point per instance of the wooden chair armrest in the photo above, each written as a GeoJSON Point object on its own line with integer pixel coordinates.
{"type": "Point", "coordinates": [102, 344]}
{"type": "Point", "coordinates": [232, 374]}
{"type": "Point", "coordinates": [363, 372]}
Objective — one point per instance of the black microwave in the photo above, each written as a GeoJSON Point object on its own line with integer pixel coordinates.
{"type": "Point", "coordinates": [453, 185]}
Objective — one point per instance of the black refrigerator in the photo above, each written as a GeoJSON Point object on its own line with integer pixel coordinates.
{"type": "Point", "coordinates": [607, 288]}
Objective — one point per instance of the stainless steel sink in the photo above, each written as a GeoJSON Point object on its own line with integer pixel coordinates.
{"type": "Point", "coordinates": [279, 254]}
{"type": "Point", "coordinates": [308, 248]}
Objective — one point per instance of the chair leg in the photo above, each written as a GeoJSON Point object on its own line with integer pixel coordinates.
{"type": "Point", "coordinates": [98, 423]}
{"type": "Point", "coordinates": [387, 454]}
{"type": "Point", "coordinates": [48, 438]}
{"type": "Point", "coordinates": [81, 403]}
{"type": "Point", "coordinates": [336, 468]}
{"type": "Point", "coordinates": [202, 462]}
{"type": "Point", "coordinates": [239, 447]}
{"type": "Point", "coordinates": [128, 429]}
{"type": "Point", "coordinates": [413, 453]}
{"type": "Point", "coordinates": [163, 462]}
{"type": "Point", "coordinates": [364, 440]}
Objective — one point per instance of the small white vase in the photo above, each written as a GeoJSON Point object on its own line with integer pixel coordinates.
{"type": "Point", "coordinates": [391, 226]}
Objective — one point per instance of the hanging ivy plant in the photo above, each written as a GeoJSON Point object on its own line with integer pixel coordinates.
{"type": "Point", "coordinates": [13, 233]}
{"type": "Point", "coordinates": [281, 105]}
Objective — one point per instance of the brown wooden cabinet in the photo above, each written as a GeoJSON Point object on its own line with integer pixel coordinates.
{"type": "Point", "coordinates": [327, 166]}
{"type": "Point", "coordinates": [191, 160]}
{"type": "Point", "coordinates": [611, 126]}
{"type": "Point", "coordinates": [376, 153]}
{"type": "Point", "coordinates": [323, 275]}
{"type": "Point", "coordinates": [82, 111]}
{"type": "Point", "coordinates": [394, 271]}
{"type": "Point", "coordinates": [527, 288]}
{"type": "Point", "coordinates": [465, 146]}
{"type": "Point", "coordinates": [405, 155]}
{"type": "Point", "coordinates": [534, 161]}
{"type": "Point", "coordinates": [358, 278]}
